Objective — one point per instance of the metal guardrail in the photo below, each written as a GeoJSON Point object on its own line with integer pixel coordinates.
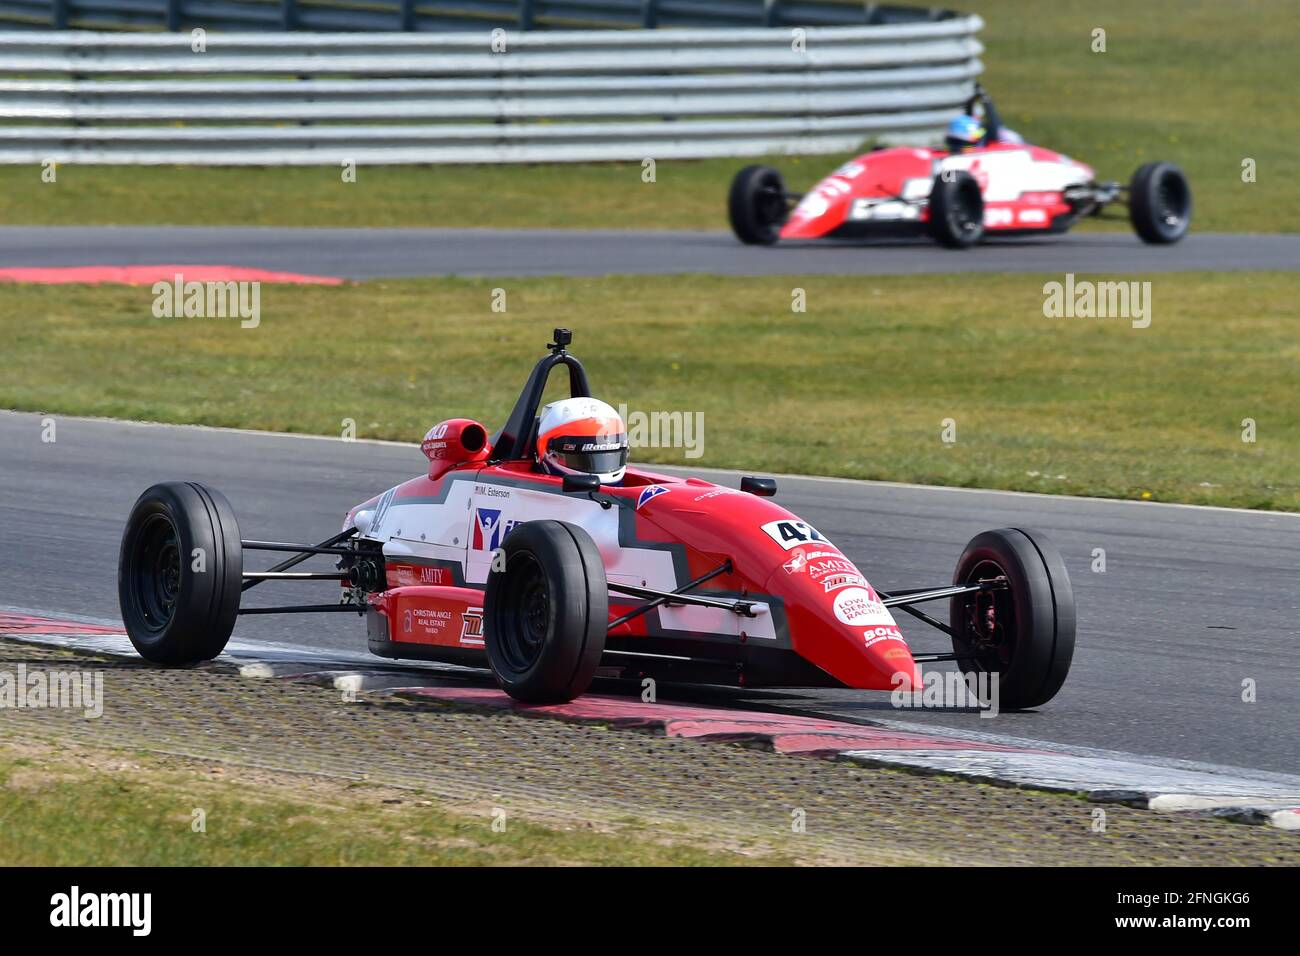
{"type": "Point", "coordinates": [445, 15]}
{"type": "Point", "coordinates": [304, 99]}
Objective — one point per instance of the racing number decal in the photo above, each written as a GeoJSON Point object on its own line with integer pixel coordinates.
{"type": "Point", "coordinates": [790, 533]}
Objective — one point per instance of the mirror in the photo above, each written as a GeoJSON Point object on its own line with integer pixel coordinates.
{"type": "Point", "coordinates": [763, 487]}
{"type": "Point", "coordinates": [581, 483]}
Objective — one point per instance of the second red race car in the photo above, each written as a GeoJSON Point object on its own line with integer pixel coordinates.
{"type": "Point", "coordinates": [989, 183]}
{"type": "Point", "coordinates": [538, 552]}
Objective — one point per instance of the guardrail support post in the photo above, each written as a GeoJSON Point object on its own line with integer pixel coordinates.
{"type": "Point", "coordinates": [173, 15]}
{"type": "Point", "coordinates": [288, 14]}
{"type": "Point", "coordinates": [59, 14]}
{"type": "Point", "coordinates": [649, 14]}
{"type": "Point", "coordinates": [406, 16]}
{"type": "Point", "coordinates": [526, 13]}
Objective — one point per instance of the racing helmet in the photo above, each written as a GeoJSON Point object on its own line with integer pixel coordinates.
{"type": "Point", "coordinates": [964, 132]}
{"type": "Point", "coordinates": [582, 436]}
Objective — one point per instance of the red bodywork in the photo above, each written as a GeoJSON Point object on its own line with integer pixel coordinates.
{"type": "Point", "coordinates": [886, 191]}
{"type": "Point", "coordinates": [822, 623]}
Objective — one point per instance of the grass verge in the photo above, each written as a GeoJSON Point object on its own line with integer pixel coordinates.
{"type": "Point", "coordinates": [859, 386]}
{"type": "Point", "coordinates": [120, 808]}
{"type": "Point", "coordinates": [1200, 82]}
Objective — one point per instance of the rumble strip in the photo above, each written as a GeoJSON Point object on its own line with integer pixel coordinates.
{"type": "Point", "coordinates": [1102, 776]}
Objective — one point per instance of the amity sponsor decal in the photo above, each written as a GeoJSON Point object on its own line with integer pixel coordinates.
{"type": "Point", "coordinates": [830, 569]}
{"type": "Point", "coordinates": [490, 529]}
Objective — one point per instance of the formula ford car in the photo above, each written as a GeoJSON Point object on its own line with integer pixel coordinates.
{"type": "Point", "coordinates": [1002, 189]}
{"type": "Point", "coordinates": [486, 560]}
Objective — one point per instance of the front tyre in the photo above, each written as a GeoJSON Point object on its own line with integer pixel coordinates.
{"type": "Point", "coordinates": [180, 573]}
{"type": "Point", "coordinates": [1160, 203]}
{"type": "Point", "coordinates": [956, 210]}
{"type": "Point", "coordinates": [756, 205]}
{"type": "Point", "coordinates": [545, 612]}
{"type": "Point", "coordinates": [1024, 632]}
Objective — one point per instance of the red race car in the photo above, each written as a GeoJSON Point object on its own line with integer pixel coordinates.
{"type": "Point", "coordinates": [495, 558]}
{"type": "Point", "coordinates": [995, 184]}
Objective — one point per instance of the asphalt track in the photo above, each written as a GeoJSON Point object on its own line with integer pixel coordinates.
{"type": "Point", "coordinates": [1194, 601]}
{"type": "Point", "coordinates": [390, 253]}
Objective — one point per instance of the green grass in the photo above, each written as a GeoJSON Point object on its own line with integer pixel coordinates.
{"type": "Point", "coordinates": [1201, 82]}
{"type": "Point", "coordinates": [57, 813]}
{"type": "Point", "coordinates": [857, 387]}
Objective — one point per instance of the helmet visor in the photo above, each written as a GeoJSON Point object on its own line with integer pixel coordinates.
{"type": "Point", "coordinates": [593, 454]}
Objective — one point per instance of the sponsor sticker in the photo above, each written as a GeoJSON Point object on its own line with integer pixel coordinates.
{"type": "Point", "coordinates": [884, 632]}
{"type": "Point", "coordinates": [471, 627]}
{"type": "Point", "coordinates": [490, 529]}
{"type": "Point", "coordinates": [820, 567]}
{"type": "Point", "coordinates": [857, 606]}
{"type": "Point", "coordinates": [834, 582]}
{"type": "Point", "coordinates": [417, 574]}
{"type": "Point", "coordinates": [715, 493]}
{"type": "Point", "coordinates": [648, 493]}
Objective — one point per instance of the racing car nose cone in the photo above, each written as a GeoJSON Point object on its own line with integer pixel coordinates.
{"type": "Point", "coordinates": [893, 663]}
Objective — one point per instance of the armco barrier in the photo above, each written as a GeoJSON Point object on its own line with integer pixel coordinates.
{"type": "Point", "coordinates": [429, 16]}
{"type": "Point", "coordinates": [313, 98]}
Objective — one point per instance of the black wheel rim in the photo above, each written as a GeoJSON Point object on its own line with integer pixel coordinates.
{"type": "Point", "coordinates": [989, 627]}
{"type": "Point", "coordinates": [964, 219]}
{"type": "Point", "coordinates": [525, 617]}
{"type": "Point", "coordinates": [156, 572]}
{"type": "Point", "coordinates": [1171, 202]}
{"type": "Point", "coordinates": [770, 207]}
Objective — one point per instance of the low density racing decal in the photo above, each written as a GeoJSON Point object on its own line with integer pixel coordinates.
{"type": "Point", "coordinates": [859, 607]}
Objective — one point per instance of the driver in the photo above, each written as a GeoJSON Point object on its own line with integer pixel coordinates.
{"type": "Point", "coordinates": [978, 126]}
{"type": "Point", "coordinates": [582, 436]}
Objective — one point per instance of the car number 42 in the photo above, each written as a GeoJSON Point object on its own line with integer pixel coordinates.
{"type": "Point", "coordinates": [791, 534]}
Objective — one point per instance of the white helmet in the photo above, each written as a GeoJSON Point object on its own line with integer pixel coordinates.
{"type": "Point", "coordinates": [578, 436]}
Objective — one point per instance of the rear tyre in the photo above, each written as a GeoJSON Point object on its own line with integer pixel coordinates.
{"type": "Point", "coordinates": [956, 211]}
{"type": "Point", "coordinates": [1160, 203]}
{"type": "Point", "coordinates": [756, 205]}
{"type": "Point", "coordinates": [180, 573]}
{"type": "Point", "coordinates": [545, 614]}
{"type": "Point", "coordinates": [1023, 633]}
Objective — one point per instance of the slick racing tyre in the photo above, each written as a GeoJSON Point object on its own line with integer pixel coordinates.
{"type": "Point", "coordinates": [545, 612]}
{"type": "Point", "coordinates": [956, 211]}
{"type": "Point", "coordinates": [757, 206]}
{"type": "Point", "coordinates": [180, 573]}
{"type": "Point", "coordinates": [1160, 203]}
{"type": "Point", "coordinates": [1023, 633]}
